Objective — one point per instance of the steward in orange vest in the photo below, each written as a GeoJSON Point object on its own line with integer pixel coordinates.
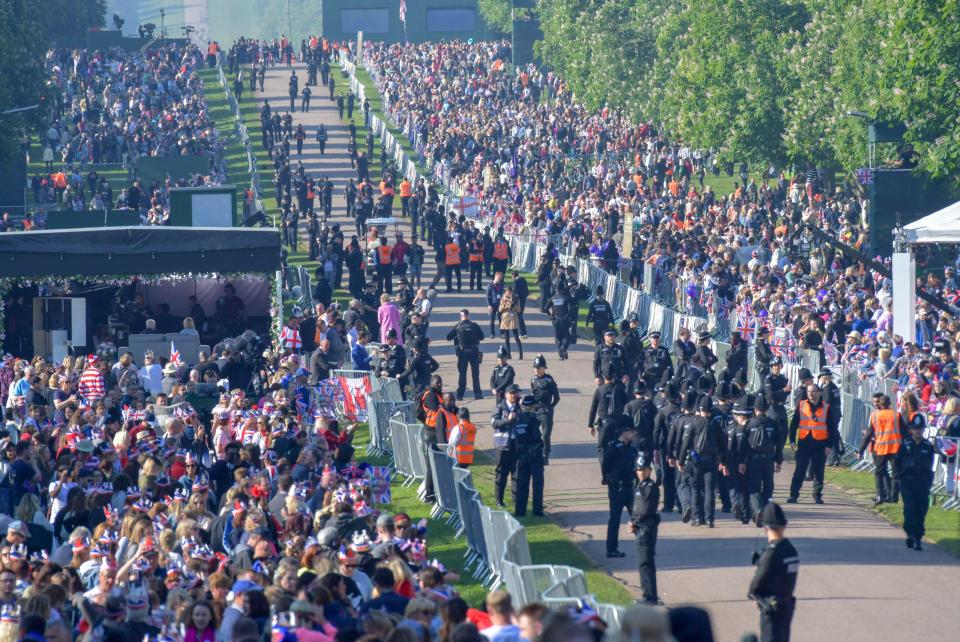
{"type": "Point", "coordinates": [428, 412]}
{"type": "Point", "coordinates": [461, 439]}
{"type": "Point", "coordinates": [884, 437]}
{"type": "Point", "coordinates": [451, 254]}
{"type": "Point", "coordinates": [813, 429]}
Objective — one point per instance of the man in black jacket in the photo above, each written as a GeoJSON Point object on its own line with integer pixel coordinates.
{"type": "Point", "coordinates": [606, 411]}
{"type": "Point", "coordinates": [704, 448]}
{"type": "Point", "coordinates": [504, 422]}
{"type": "Point", "coordinates": [813, 429]}
{"type": "Point", "coordinates": [775, 579]}
{"type": "Point", "coordinates": [466, 337]}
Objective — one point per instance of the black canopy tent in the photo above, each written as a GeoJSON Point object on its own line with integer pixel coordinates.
{"type": "Point", "coordinates": [138, 250]}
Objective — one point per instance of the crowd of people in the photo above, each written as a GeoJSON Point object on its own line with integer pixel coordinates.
{"type": "Point", "coordinates": [114, 107]}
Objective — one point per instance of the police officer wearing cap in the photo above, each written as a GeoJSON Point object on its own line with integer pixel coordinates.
{"type": "Point", "coordinates": [681, 427]}
{"type": "Point", "coordinates": [777, 389]}
{"type": "Point", "coordinates": [813, 428]}
{"type": "Point", "coordinates": [544, 389]}
{"type": "Point", "coordinates": [606, 410]}
{"type": "Point", "coordinates": [704, 448]}
{"type": "Point", "coordinates": [683, 349]}
{"type": "Point", "coordinates": [915, 472]}
{"type": "Point", "coordinates": [731, 488]}
{"type": "Point", "coordinates": [632, 350]}
{"type": "Point", "coordinates": [644, 524]}
{"type": "Point", "coordinates": [502, 375]}
{"type": "Point", "coordinates": [656, 359]}
{"type": "Point", "coordinates": [762, 352]}
{"type": "Point", "coordinates": [504, 424]}
{"type": "Point", "coordinates": [642, 412]}
{"type": "Point", "coordinates": [707, 358]}
{"type": "Point", "coordinates": [609, 356]}
{"type": "Point", "coordinates": [831, 395]}
{"type": "Point", "coordinates": [528, 459]}
{"type": "Point", "coordinates": [558, 307]}
{"type": "Point", "coordinates": [759, 456]}
{"type": "Point", "coordinates": [617, 470]}
{"type": "Point", "coordinates": [601, 314]}
{"type": "Point", "coordinates": [466, 337]}
{"type": "Point", "coordinates": [666, 473]}
{"type": "Point", "coordinates": [775, 579]}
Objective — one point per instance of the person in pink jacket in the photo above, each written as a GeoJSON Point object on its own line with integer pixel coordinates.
{"type": "Point", "coordinates": [388, 315]}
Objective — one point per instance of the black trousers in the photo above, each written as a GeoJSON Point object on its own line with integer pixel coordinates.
{"type": "Point", "coordinates": [646, 552]}
{"type": "Point", "coordinates": [685, 488]}
{"type": "Point", "coordinates": [775, 626]}
{"type": "Point", "coordinates": [725, 490]}
{"type": "Point", "coordinates": [529, 472]}
{"type": "Point", "coordinates": [384, 277]}
{"type": "Point", "coordinates": [476, 272]}
{"type": "Point", "coordinates": [705, 488]}
{"type": "Point", "coordinates": [736, 489]}
{"type": "Point", "coordinates": [469, 358]}
{"type": "Point", "coordinates": [667, 478]}
{"type": "Point", "coordinates": [759, 482]}
{"type": "Point", "coordinates": [561, 331]}
{"type": "Point", "coordinates": [916, 501]}
{"type": "Point", "coordinates": [451, 270]}
{"type": "Point", "coordinates": [545, 417]}
{"type": "Point", "coordinates": [430, 439]}
{"type": "Point", "coordinates": [885, 471]}
{"type": "Point", "coordinates": [620, 497]}
{"type": "Point", "coordinates": [811, 454]}
{"type": "Point", "coordinates": [502, 472]}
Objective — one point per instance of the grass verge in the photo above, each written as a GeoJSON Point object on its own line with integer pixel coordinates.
{"type": "Point", "coordinates": [943, 526]}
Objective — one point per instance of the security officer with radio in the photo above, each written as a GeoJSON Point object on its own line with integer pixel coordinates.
{"type": "Point", "coordinates": [504, 423]}
{"type": "Point", "coordinates": [915, 472]}
{"type": "Point", "coordinates": [777, 389]}
{"type": "Point", "coordinates": [644, 524]}
{"type": "Point", "coordinates": [656, 358]}
{"type": "Point", "coordinates": [666, 472]}
{"type": "Point", "coordinates": [606, 411]}
{"type": "Point", "coordinates": [704, 448]}
{"type": "Point", "coordinates": [813, 429]}
{"type": "Point", "coordinates": [502, 375]}
{"type": "Point", "coordinates": [601, 313]}
{"type": "Point", "coordinates": [775, 579]}
{"type": "Point", "coordinates": [760, 454]}
{"type": "Point", "coordinates": [617, 469]}
{"type": "Point", "coordinates": [609, 357]}
{"type": "Point", "coordinates": [528, 458]}
{"type": "Point", "coordinates": [558, 307]}
{"type": "Point", "coordinates": [544, 389]}
{"type": "Point", "coordinates": [466, 337]}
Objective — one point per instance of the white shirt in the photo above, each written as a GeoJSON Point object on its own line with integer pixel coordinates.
{"type": "Point", "coordinates": [152, 378]}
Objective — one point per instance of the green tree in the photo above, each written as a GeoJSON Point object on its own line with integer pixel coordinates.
{"type": "Point", "coordinates": [497, 14]}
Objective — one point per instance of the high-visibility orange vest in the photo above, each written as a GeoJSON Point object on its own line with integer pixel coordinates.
{"type": "Point", "coordinates": [812, 422]}
{"type": "Point", "coordinates": [430, 419]}
{"type": "Point", "coordinates": [449, 421]}
{"type": "Point", "coordinates": [406, 189]}
{"type": "Point", "coordinates": [500, 250]}
{"type": "Point", "coordinates": [452, 254]}
{"type": "Point", "coordinates": [468, 436]}
{"type": "Point", "coordinates": [386, 253]}
{"type": "Point", "coordinates": [212, 49]}
{"type": "Point", "coordinates": [386, 189]}
{"type": "Point", "coordinates": [476, 253]}
{"type": "Point", "coordinates": [886, 431]}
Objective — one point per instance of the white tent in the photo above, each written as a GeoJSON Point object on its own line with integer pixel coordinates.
{"type": "Point", "coordinates": [942, 226]}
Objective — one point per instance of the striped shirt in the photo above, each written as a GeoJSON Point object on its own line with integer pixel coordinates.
{"type": "Point", "coordinates": [91, 385]}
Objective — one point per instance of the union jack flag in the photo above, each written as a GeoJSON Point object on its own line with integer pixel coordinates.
{"type": "Point", "coordinates": [746, 324]}
{"type": "Point", "coordinates": [175, 355]}
{"type": "Point", "coordinates": [864, 176]}
{"type": "Point", "coordinates": [831, 353]}
{"type": "Point", "coordinates": [130, 414]}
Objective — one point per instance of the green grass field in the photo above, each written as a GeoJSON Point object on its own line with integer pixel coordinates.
{"type": "Point", "coordinates": [943, 526]}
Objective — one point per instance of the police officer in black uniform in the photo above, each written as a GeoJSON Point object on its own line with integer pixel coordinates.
{"type": "Point", "coordinates": [666, 472]}
{"type": "Point", "coordinates": [609, 356]}
{"type": "Point", "coordinates": [502, 375]}
{"type": "Point", "coordinates": [394, 356]}
{"type": "Point", "coordinates": [915, 473]}
{"type": "Point", "coordinates": [704, 448]}
{"type": "Point", "coordinates": [544, 389]}
{"type": "Point", "coordinates": [504, 422]}
{"type": "Point", "coordinates": [528, 458]}
{"type": "Point", "coordinates": [633, 347]}
{"type": "Point", "coordinates": [761, 456]}
{"type": "Point", "coordinates": [683, 349]}
{"type": "Point", "coordinates": [642, 412]}
{"type": "Point", "coordinates": [577, 293]}
{"type": "Point", "coordinates": [831, 395]}
{"type": "Point", "coordinates": [558, 307]}
{"type": "Point", "coordinates": [732, 488]}
{"type": "Point", "coordinates": [762, 352]}
{"type": "Point", "coordinates": [466, 337]}
{"type": "Point", "coordinates": [656, 358]}
{"type": "Point", "coordinates": [681, 427]}
{"type": "Point", "coordinates": [601, 313]}
{"type": "Point", "coordinates": [643, 525]}
{"type": "Point", "coordinates": [606, 411]}
{"type": "Point", "coordinates": [617, 467]}
{"type": "Point", "coordinates": [775, 579]}
{"type": "Point", "coordinates": [777, 389]}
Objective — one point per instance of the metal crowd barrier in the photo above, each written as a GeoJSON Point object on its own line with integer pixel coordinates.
{"type": "Point", "coordinates": [444, 486]}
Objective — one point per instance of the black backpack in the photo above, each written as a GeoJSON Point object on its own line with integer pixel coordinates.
{"type": "Point", "coordinates": [761, 439]}
{"type": "Point", "coordinates": [469, 338]}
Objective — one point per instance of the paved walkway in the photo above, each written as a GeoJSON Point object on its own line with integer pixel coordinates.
{"type": "Point", "coordinates": [858, 581]}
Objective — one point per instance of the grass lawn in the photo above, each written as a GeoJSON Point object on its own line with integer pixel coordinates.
{"type": "Point", "coordinates": [943, 526]}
